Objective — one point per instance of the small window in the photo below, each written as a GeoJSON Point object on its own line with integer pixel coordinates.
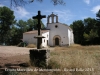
{"type": "Point", "coordinates": [47, 42]}
{"type": "Point", "coordinates": [47, 35]}
{"type": "Point", "coordinates": [56, 26]}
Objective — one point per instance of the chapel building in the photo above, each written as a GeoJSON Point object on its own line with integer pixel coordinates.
{"type": "Point", "coordinates": [56, 34]}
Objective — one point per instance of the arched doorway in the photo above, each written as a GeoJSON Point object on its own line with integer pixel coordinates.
{"type": "Point", "coordinates": [56, 41]}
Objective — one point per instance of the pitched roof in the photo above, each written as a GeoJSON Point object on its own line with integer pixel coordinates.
{"type": "Point", "coordinates": [35, 31]}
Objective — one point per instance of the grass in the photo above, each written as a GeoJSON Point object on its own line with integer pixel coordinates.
{"type": "Point", "coordinates": [73, 59]}
{"type": "Point", "coordinates": [31, 46]}
{"type": "Point", "coordinates": [77, 56]}
{"type": "Point", "coordinates": [86, 59]}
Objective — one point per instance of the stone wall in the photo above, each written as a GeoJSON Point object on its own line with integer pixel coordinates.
{"type": "Point", "coordinates": [39, 57]}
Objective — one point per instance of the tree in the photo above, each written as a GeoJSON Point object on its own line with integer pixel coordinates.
{"type": "Point", "coordinates": [32, 24]}
{"type": "Point", "coordinates": [91, 36]}
{"type": "Point", "coordinates": [89, 23]}
{"type": "Point", "coordinates": [23, 2]}
{"type": "Point", "coordinates": [6, 20]}
{"type": "Point", "coordinates": [16, 32]}
{"type": "Point", "coordinates": [14, 35]}
{"type": "Point", "coordinates": [98, 25]}
{"type": "Point", "coordinates": [22, 25]}
{"type": "Point", "coordinates": [91, 30]}
{"type": "Point", "coordinates": [78, 30]}
{"type": "Point", "coordinates": [98, 16]}
{"type": "Point", "coordinates": [85, 32]}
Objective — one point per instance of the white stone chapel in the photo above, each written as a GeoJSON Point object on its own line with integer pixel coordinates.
{"type": "Point", "coordinates": [56, 34]}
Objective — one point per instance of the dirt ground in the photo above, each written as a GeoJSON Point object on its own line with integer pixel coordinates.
{"type": "Point", "coordinates": [13, 54]}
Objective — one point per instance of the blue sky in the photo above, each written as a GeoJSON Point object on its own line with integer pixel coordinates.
{"type": "Point", "coordinates": [73, 10]}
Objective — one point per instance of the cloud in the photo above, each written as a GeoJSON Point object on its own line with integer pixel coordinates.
{"type": "Point", "coordinates": [96, 9]}
{"type": "Point", "coordinates": [87, 1]}
{"type": "Point", "coordinates": [1, 5]}
{"type": "Point", "coordinates": [63, 15]}
{"type": "Point", "coordinates": [20, 12]}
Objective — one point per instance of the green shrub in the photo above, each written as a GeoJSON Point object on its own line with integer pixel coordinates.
{"type": "Point", "coordinates": [22, 44]}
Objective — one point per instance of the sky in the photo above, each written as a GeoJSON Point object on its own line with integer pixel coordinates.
{"type": "Point", "coordinates": [72, 11]}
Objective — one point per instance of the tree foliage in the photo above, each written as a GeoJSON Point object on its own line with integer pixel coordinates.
{"type": "Point", "coordinates": [6, 20]}
{"type": "Point", "coordinates": [15, 35]}
{"type": "Point", "coordinates": [98, 15]}
{"type": "Point", "coordinates": [78, 28]}
{"type": "Point", "coordinates": [32, 24]}
{"type": "Point", "coordinates": [22, 25]}
{"type": "Point", "coordinates": [86, 31]}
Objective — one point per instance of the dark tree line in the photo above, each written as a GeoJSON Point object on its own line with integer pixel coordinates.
{"type": "Point", "coordinates": [11, 31]}
{"type": "Point", "coordinates": [87, 31]}
{"type": "Point", "coordinates": [6, 19]}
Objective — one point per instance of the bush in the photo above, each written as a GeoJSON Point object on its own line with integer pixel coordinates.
{"type": "Point", "coordinates": [22, 44]}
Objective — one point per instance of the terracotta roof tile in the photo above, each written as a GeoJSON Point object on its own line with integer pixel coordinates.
{"type": "Point", "coordinates": [35, 31]}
